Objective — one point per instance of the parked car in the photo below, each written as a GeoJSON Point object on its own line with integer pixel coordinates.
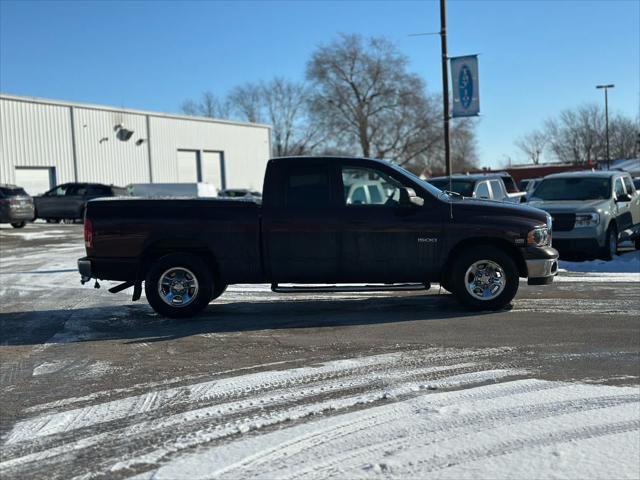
{"type": "Point", "coordinates": [68, 201]}
{"type": "Point", "coordinates": [636, 183]}
{"type": "Point", "coordinates": [16, 206]}
{"type": "Point", "coordinates": [240, 193]}
{"type": "Point", "coordinates": [186, 251]}
{"type": "Point", "coordinates": [486, 187]}
{"type": "Point", "coordinates": [589, 210]}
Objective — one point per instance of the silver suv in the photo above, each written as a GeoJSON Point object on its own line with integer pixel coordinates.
{"type": "Point", "coordinates": [590, 210]}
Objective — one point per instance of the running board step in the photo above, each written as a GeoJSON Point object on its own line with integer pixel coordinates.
{"type": "Point", "coordinates": [390, 287]}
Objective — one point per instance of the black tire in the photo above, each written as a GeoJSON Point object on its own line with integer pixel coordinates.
{"type": "Point", "coordinates": [464, 263]}
{"type": "Point", "coordinates": [637, 242]}
{"type": "Point", "coordinates": [183, 262]}
{"type": "Point", "coordinates": [218, 289]}
{"type": "Point", "coordinates": [610, 249]}
{"type": "Point", "coordinates": [18, 224]}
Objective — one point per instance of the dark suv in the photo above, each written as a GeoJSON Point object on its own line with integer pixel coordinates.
{"type": "Point", "coordinates": [68, 201]}
{"type": "Point", "coordinates": [16, 206]}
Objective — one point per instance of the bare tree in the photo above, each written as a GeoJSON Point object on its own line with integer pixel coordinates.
{"type": "Point", "coordinates": [533, 145]}
{"type": "Point", "coordinates": [579, 135]}
{"type": "Point", "coordinates": [369, 104]}
{"type": "Point", "coordinates": [624, 137]}
{"type": "Point", "coordinates": [207, 106]}
{"type": "Point", "coordinates": [287, 107]}
{"type": "Point", "coordinates": [247, 102]}
{"type": "Point", "coordinates": [464, 150]}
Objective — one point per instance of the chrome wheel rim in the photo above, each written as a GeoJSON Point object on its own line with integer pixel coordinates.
{"type": "Point", "coordinates": [485, 280]}
{"type": "Point", "coordinates": [178, 287]}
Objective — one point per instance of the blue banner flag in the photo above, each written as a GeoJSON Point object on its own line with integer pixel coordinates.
{"type": "Point", "coordinates": [466, 91]}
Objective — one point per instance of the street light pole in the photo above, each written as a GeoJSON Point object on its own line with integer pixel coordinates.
{"type": "Point", "coordinates": [445, 85]}
{"type": "Point", "coordinates": [606, 117]}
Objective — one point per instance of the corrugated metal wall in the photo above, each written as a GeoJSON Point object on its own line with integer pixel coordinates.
{"type": "Point", "coordinates": [38, 134]}
{"type": "Point", "coordinates": [35, 135]}
{"type": "Point", "coordinates": [246, 148]}
{"type": "Point", "coordinates": [101, 156]}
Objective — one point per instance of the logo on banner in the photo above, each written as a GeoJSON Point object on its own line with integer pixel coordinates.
{"type": "Point", "coordinates": [464, 77]}
{"type": "Point", "coordinates": [465, 86]}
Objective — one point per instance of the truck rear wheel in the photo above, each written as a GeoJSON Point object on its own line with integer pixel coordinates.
{"type": "Point", "coordinates": [178, 285]}
{"type": "Point", "coordinates": [485, 278]}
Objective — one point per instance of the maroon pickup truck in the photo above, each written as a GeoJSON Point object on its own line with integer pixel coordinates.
{"type": "Point", "coordinates": [322, 221]}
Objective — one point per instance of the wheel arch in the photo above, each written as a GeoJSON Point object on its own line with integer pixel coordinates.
{"type": "Point", "coordinates": [496, 242]}
{"type": "Point", "coordinates": [159, 248]}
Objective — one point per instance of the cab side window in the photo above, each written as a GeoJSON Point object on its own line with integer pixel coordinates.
{"type": "Point", "coordinates": [482, 190]}
{"type": "Point", "coordinates": [367, 186]}
{"type": "Point", "coordinates": [307, 187]}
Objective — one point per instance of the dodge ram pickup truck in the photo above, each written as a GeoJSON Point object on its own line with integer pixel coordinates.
{"type": "Point", "coordinates": [322, 221]}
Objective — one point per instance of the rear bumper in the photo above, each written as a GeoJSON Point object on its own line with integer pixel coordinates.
{"type": "Point", "coordinates": [11, 216]}
{"type": "Point", "coordinates": [123, 269]}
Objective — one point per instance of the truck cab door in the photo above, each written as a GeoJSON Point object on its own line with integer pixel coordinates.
{"type": "Point", "coordinates": [384, 241]}
{"type": "Point", "coordinates": [300, 231]}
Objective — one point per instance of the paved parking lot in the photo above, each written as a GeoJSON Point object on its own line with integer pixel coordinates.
{"type": "Point", "coordinates": [95, 384]}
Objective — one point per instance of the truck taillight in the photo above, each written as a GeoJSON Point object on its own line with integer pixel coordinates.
{"type": "Point", "coordinates": [88, 233]}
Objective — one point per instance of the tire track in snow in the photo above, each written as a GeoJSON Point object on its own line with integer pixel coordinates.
{"type": "Point", "coordinates": [216, 390]}
{"type": "Point", "coordinates": [238, 414]}
{"type": "Point", "coordinates": [411, 438]}
{"type": "Point", "coordinates": [111, 426]}
{"type": "Point", "coordinates": [377, 445]}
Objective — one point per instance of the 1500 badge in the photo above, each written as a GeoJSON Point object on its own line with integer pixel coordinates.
{"type": "Point", "coordinates": [427, 240]}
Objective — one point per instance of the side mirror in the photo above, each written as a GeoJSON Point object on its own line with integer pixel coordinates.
{"type": "Point", "coordinates": [408, 198]}
{"type": "Point", "coordinates": [623, 198]}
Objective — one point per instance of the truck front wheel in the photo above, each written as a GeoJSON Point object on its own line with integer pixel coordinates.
{"type": "Point", "coordinates": [178, 285]}
{"type": "Point", "coordinates": [485, 278]}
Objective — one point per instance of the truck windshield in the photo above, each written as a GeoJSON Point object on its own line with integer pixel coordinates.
{"type": "Point", "coordinates": [436, 192]}
{"type": "Point", "coordinates": [463, 187]}
{"type": "Point", "coordinates": [578, 188]}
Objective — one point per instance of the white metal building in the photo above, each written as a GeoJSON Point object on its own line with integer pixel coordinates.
{"type": "Point", "coordinates": [44, 143]}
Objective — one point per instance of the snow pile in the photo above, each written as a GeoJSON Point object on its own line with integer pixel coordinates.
{"type": "Point", "coordinates": [626, 263]}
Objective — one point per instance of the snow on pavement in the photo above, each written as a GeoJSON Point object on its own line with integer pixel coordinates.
{"type": "Point", "coordinates": [437, 412]}
{"type": "Point", "coordinates": [518, 429]}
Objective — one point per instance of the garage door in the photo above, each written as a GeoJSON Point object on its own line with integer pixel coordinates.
{"type": "Point", "coordinates": [35, 180]}
{"type": "Point", "coordinates": [187, 166]}
{"type": "Point", "coordinates": [211, 162]}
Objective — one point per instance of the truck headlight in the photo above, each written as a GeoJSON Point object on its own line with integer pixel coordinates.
{"type": "Point", "coordinates": [539, 237]}
{"type": "Point", "coordinates": [587, 220]}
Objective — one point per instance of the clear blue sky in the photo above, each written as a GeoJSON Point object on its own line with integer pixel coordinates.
{"type": "Point", "coordinates": [537, 57]}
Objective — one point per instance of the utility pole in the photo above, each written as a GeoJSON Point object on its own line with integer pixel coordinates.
{"type": "Point", "coordinates": [445, 85]}
{"type": "Point", "coordinates": [606, 116]}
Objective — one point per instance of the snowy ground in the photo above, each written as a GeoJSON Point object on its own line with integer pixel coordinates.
{"type": "Point", "coordinates": [349, 386]}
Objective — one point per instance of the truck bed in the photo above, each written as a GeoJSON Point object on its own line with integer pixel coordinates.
{"type": "Point", "coordinates": [127, 229]}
